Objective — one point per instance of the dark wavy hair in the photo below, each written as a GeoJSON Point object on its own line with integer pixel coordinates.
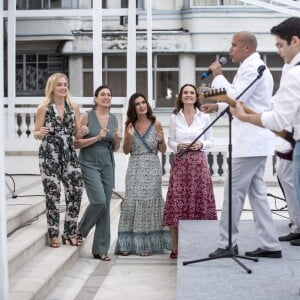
{"type": "Point", "coordinates": [287, 29]}
{"type": "Point", "coordinates": [131, 111]}
{"type": "Point", "coordinates": [179, 104]}
{"type": "Point", "coordinates": [98, 90]}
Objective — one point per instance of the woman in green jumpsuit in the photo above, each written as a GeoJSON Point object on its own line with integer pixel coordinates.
{"type": "Point", "coordinates": [97, 166]}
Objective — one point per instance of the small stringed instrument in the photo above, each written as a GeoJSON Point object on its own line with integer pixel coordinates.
{"type": "Point", "coordinates": [220, 95]}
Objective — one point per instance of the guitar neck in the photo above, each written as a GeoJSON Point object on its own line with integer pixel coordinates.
{"type": "Point", "coordinates": [221, 96]}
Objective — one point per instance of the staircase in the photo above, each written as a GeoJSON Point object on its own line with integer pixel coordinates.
{"type": "Point", "coordinates": [286, 7]}
{"type": "Point", "coordinates": [35, 268]}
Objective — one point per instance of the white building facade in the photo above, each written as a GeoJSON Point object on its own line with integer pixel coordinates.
{"type": "Point", "coordinates": [152, 47]}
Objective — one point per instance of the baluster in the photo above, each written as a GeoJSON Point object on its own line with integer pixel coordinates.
{"type": "Point", "coordinates": [18, 127]}
{"type": "Point", "coordinates": [210, 160]}
{"type": "Point", "coordinates": [31, 124]}
{"type": "Point", "coordinates": [23, 126]}
{"type": "Point", "coordinates": [220, 161]}
{"type": "Point", "coordinates": [166, 165]}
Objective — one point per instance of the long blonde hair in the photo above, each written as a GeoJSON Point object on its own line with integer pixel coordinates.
{"type": "Point", "coordinates": [50, 87]}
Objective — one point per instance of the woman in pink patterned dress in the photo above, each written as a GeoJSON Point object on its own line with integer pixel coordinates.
{"type": "Point", "coordinates": [190, 193]}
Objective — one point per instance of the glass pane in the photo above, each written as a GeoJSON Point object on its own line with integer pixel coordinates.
{"type": "Point", "coordinates": [21, 4]}
{"type": "Point", "coordinates": [19, 58]}
{"type": "Point", "coordinates": [117, 82]}
{"type": "Point", "coordinates": [142, 83]}
{"type": "Point", "coordinates": [42, 58]}
{"type": "Point", "coordinates": [56, 4]}
{"type": "Point", "coordinates": [87, 62]}
{"type": "Point", "coordinates": [274, 60]}
{"type": "Point", "coordinates": [116, 61]}
{"type": "Point", "coordinates": [88, 84]}
{"type": "Point", "coordinates": [167, 61]}
{"type": "Point", "coordinates": [204, 60]}
{"type": "Point", "coordinates": [19, 77]}
{"type": "Point", "coordinates": [141, 61]}
{"type": "Point", "coordinates": [30, 58]}
{"type": "Point", "coordinates": [34, 4]}
{"type": "Point", "coordinates": [166, 88]}
{"type": "Point", "coordinates": [276, 77]}
{"type": "Point", "coordinates": [31, 77]}
{"type": "Point", "coordinates": [42, 75]}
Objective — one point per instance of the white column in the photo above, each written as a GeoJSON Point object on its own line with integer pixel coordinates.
{"type": "Point", "coordinates": [187, 63]}
{"type": "Point", "coordinates": [131, 49]}
{"type": "Point", "coordinates": [97, 43]}
{"type": "Point", "coordinates": [11, 67]}
{"type": "Point", "coordinates": [76, 76]}
{"type": "Point", "coordinates": [149, 53]}
{"type": "Point", "coordinates": [3, 230]}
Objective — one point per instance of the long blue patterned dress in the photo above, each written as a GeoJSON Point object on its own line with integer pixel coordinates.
{"type": "Point", "coordinates": [140, 226]}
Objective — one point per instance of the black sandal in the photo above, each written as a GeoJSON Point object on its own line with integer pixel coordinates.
{"type": "Point", "coordinates": [103, 257]}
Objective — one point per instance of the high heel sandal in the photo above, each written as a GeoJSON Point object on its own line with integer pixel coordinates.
{"type": "Point", "coordinates": [79, 238]}
{"type": "Point", "coordinates": [54, 243]}
{"type": "Point", "coordinates": [103, 257]}
{"type": "Point", "coordinates": [65, 239]}
{"type": "Point", "coordinates": [174, 254]}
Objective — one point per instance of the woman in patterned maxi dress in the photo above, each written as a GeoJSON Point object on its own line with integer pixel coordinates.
{"type": "Point", "coordinates": [140, 227]}
{"type": "Point", "coordinates": [57, 122]}
{"type": "Point", "coordinates": [190, 193]}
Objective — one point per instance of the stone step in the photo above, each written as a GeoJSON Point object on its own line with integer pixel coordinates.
{"type": "Point", "coordinates": [34, 268]}
{"type": "Point", "coordinates": [24, 201]}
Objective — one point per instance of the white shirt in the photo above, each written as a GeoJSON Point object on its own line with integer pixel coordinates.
{"type": "Point", "coordinates": [249, 140]}
{"type": "Point", "coordinates": [286, 111]}
{"type": "Point", "coordinates": [181, 132]}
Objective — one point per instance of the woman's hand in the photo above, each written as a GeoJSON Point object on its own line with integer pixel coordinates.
{"type": "Point", "coordinates": [160, 136]}
{"type": "Point", "coordinates": [84, 130]}
{"type": "Point", "coordinates": [39, 134]}
{"type": "Point", "coordinates": [130, 130]}
{"type": "Point", "coordinates": [118, 136]}
{"type": "Point", "coordinates": [102, 133]}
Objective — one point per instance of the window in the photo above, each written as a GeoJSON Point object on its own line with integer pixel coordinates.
{"type": "Point", "coordinates": [166, 79]}
{"type": "Point", "coordinates": [32, 71]}
{"type": "Point", "coordinates": [44, 4]}
{"type": "Point", "coordinates": [114, 74]}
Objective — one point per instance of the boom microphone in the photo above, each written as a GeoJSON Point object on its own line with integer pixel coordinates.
{"type": "Point", "coordinates": [222, 61]}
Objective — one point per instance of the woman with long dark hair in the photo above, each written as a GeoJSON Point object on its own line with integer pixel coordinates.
{"type": "Point", "coordinates": [140, 227]}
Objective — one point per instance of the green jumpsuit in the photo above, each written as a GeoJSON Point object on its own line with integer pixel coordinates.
{"type": "Point", "coordinates": [97, 166]}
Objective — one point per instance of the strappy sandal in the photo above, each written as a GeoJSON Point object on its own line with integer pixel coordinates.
{"type": "Point", "coordinates": [174, 254]}
{"type": "Point", "coordinates": [124, 253]}
{"type": "Point", "coordinates": [54, 243]}
{"type": "Point", "coordinates": [79, 239]}
{"type": "Point", "coordinates": [103, 257]}
{"type": "Point", "coordinates": [144, 253]}
{"type": "Point", "coordinates": [72, 242]}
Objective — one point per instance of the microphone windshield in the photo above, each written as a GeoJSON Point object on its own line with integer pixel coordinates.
{"type": "Point", "coordinates": [223, 60]}
{"type": "Point", "coordinates": [261, 68]}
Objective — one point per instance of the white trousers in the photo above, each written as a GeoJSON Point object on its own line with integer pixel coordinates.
{"type": "Point", "coordinates": [285, 176]}
{"type": "Point", "coordinates": [247, 178]}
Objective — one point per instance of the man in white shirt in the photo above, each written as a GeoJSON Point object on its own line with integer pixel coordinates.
{"type": "Point", "coordinates": [250, 147]}
{"type": "Point", "coordinates": [286, 110]}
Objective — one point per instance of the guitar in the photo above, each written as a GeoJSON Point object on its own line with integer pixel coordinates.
{"type": "Point", "coordinates": [220, 95]}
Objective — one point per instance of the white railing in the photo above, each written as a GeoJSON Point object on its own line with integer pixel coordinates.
{"type": "Point", "coordinates": [23, 142]}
